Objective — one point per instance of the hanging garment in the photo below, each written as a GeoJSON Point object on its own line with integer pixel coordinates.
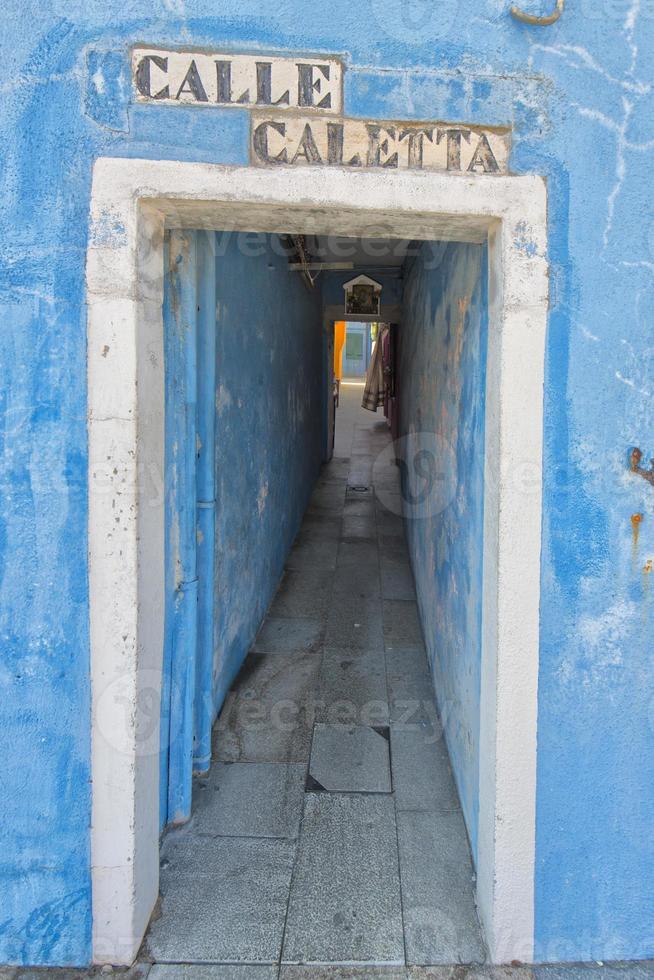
{"type": "Point", "coordinates": [374, 392]}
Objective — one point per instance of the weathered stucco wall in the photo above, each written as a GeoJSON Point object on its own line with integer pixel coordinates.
{"type": "Point", "coordinates": [579, 98]}
{"type": "Point", "coordinates": [442, 355]}
{"type": "Point", "coordinates": [269, 404]}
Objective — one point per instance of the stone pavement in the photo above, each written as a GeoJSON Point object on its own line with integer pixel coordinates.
{"type": "Point", "coordinates": [328, 830]}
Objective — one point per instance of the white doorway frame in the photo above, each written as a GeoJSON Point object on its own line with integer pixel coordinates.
{"type": "Point", "coordinates": [132, 203]}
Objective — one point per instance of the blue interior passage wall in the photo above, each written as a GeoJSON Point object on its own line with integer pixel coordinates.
{"type": "Point", "coordinates": [269, 431]}
{"type": "Point", "coordinates": [442, 357]}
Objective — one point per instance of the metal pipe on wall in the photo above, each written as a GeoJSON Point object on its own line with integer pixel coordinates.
{"type": "Point", "coordinates": [206, 496]}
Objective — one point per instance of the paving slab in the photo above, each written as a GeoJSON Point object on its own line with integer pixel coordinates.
{"type": "Point", "coordinates": [336, 469]}
{"type": "Point", "coordinates": [393, 548]}
{"type": "Point", "coordinates": [355, 622]}
{"type": "Point", "coordinates": [350, 759]}
{"type": "Point", "coordinates": [222, 972]}
{"type": "Point", "coordinates": [389, 508]}
{"type": "Point", "coordinates": [440, 920]}
{"type": "Point", "coordinates": [223, 899]}
{"type": "Point", "coordinates": [359, 553]}
{"type": "Point", "coordinates": [303, 594]}
{"type": "Point", "coordinates": [401, 622]}
{"type": "Point", "coordinates": [469, 972]}
{"type": "Point", "coordinates": [352, 688]}
{"type": "Point", "coordinates": [286, 635]}
{"type": "Point", "coordinates": [137, 972]}
{"type": "Point", "coordinates": [342, 973]}
{"type": "Point", "coordinates": [359, 526]}
{"type": "Point", "coordinates": [593, 971]}
{"type": "Point", "coordinates": [396, 580]}
{"type": "Point", "coordinates": [321, 527]}
{"type": "Point", "coordinates": [422, 777]}
{"type": "Point", "coordinates": [326, 501]}
{"type": "Point", "coordinates": [250, 799]}
{"type": "Point", "coordinates": [268, 717]}
{"type": "Point", "coordinates": [410, 685]}
{"type": "Point", "coordinates": [355, 507]}
{"type": "Point", "coordinates": [345, 900]}
{"type": "Point", "coordinates": [360, 475]}
{"type": "Point", "coordinates": [313, 552]}
{"type": "Point", "coordinates": [352, 582]}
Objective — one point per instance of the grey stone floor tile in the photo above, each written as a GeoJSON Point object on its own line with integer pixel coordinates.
{"type": "Point", "coordinates": [422, 777]}
{"type": "Point", "coordinates": [351, 581]}
{"type": "Point", "coordinates": [410, 685]}
{"type": "Point", "coordinates": [397, 581]}
{"type": "Point", "coordinates": [355, 507]}
{"type": "Point", "coordinates": [338, 464]}
{"type": "Point", "coordinates": [469, 972]}
{"type": "Point", "coordinates": [359, 553]}
{"type": "Point", "coordinates": [361, 477]}
{"type": "Point", "coordinates": [328, 499]}
{"type": "Point", "coordinates": [325, 526]}
{"type": "Point", "coordinates": [137, 972]}
{"type": "Point", "coordinates": [393, 548]}
{"type": "Point", "coordinates": [440, 920]}
{"type": "Point", "coordinates": [401, 622]}
{"type": "Point", "coordinates": [269, 715]}
{"type": "Point", "coordinates": [313, 552]}
{"type": "Point", "coordinates": [345, 899]}
{"type": "Point", "coordinates": [223, 899]}
{"type": "Point", "coordinates": [287, 635]}
{"type": "Point", "coordinates": [390, 523]}
{"type": "Point", "coordinates": [389, 506]}
{"type": "Point", "coordinates": [334, 479]}
{"type": "Point", "coordinates": [360, 450]}
{"type": "Point", "coordinates": [350, 759]}
{"type": "Point", "coordinates": [316, 512]}
{"type": "Point", "coordinates": [355, 622]}
{"type": "Point", "coordinates": [250, 799]}
{"type": "Point", "coordinates": [342, 973]}
{"type": "Point", "coordinates": [357, 526]}
{"type": "Point", "coordinates": [352, 688]}
{"type": "Point", "coordinates": [329, 490]}
{"type": "Point", "coordinates": [303, 594]}
{"type": "Point", "coordinates": [362, 459]}
{"type": "Point", "coordinates": [176, 971]}
{"type": "Point", "coordinates": [592, 971]}
{"type": "Point", "coordinates": [386, 478]}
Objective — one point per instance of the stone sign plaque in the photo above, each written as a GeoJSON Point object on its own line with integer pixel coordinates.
{"type": "Point", "coordinates": [297, 114]}
{"type": "Point", "coordinates": [303, 141]}
{"type": "Point", "coordinates": [240, 80]}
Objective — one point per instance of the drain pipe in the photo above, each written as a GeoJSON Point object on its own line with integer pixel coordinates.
{"type": "Point", "coordinates": [182, 599]}
{"type": "Point", "coordinates": [206, 498]}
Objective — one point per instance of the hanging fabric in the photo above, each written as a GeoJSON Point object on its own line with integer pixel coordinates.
{"type": "Point", "coordinates": [374, 393]}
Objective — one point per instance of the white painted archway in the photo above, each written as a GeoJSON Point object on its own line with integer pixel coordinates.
{"type": "Point", "coordinates": [133, 201]}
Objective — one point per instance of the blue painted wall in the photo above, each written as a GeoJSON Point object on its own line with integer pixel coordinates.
{"type": "Point", "coordinates": [269, 431]}
{"type": "Point", "coordinates": [442, 361]}
{"type": "Point", "coordinates": [579, 97]}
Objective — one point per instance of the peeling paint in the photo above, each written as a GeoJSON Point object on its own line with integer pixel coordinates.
{"type": "Point", "coordinates": [268, 438]}
{"type": "Point", "coordinates": [442, 386]}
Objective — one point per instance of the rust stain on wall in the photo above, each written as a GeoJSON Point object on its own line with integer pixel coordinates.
{"type": "Point", "coordinates": [636, 521]}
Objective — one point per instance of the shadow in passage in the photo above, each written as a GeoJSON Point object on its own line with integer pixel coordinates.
{"type": "Point", "coordinates": [328, 829]}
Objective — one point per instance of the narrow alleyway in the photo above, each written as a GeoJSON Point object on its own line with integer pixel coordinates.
{"type": "Point", "coordinates": [327, 832]}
